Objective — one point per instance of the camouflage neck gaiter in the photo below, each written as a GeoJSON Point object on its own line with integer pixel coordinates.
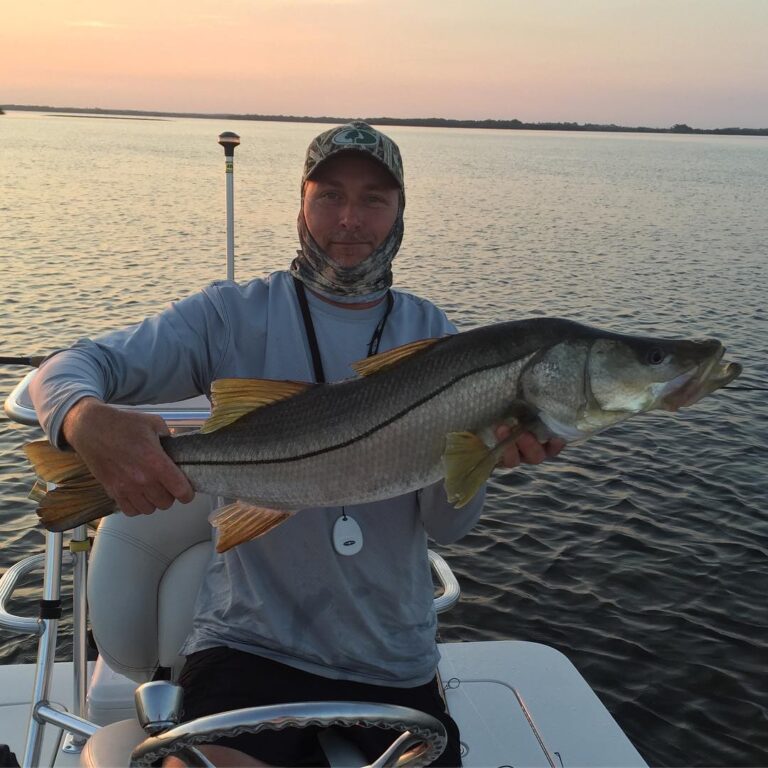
{"type": "Point", "coordinates": [370, 279]}
{"type": "Point", "coordinates": [366, 281]}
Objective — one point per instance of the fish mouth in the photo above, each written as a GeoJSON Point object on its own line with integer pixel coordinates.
{"type": "Point", "coordinates": [688, 388]}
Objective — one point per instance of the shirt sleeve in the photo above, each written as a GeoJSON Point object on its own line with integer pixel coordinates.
{"type": "Point", "coordinates": [168, 357]}
{"type": "Point", "coordinates": [443, 522]}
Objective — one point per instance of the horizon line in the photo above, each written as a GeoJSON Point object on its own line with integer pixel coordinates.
{"type": "Point", "coordinates": [431, 122]}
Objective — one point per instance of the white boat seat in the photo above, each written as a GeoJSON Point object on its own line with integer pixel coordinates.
{"type": "Point", "coordinates": [144, 576]}
{"type": "Point", "coordinates": [143, 579]}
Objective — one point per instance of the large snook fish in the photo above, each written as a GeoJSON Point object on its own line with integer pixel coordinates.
{"type": "Point", "coordinates": [416, 414]}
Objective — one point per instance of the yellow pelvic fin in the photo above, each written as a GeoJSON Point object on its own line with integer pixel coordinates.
{"type": "Point", "coordinates": [468, 463]}
{"type": "Point", "coordinates": [233, 398]}
{"type": "Point", "coordinates": [241, 521]}
{"type": "Point", "coordinates": [387, 359]}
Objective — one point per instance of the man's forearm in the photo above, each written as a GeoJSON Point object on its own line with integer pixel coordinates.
{"type": "Point", "coordinates": [74, 418]}
{"type": "Point", "coordinates": [60, 384]}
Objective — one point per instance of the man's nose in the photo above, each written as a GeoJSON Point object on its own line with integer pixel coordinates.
{"type": "Point", "coordinates": [350, 216]}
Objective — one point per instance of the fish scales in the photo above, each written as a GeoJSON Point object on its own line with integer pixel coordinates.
{"type": "Point", "coordinates": [387, 431]}
{"type": "Point", "coordinates": [327, 416]}
{"type": "Point", "coordinates": [384, 460]}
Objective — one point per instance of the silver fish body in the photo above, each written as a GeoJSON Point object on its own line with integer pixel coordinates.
{"type": "Point", "coordinates": [418, 414]}
{"type": "Point", "coordinates": [385, 434]}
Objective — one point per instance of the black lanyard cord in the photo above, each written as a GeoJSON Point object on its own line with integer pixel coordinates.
{"type": "Point", "coordinates": [309, 327]}
{"type": "Point", "coordinates": [373, 344]}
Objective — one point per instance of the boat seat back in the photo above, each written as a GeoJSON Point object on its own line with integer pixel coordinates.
{"type": "Point", "coordinates": [143, 580]}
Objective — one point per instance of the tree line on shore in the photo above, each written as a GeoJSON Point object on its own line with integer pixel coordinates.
{"type": "Point", "coordinates": [426, 122]}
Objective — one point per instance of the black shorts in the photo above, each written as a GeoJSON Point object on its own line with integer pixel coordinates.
{"type": "Point", "coordinates": [222, 679]}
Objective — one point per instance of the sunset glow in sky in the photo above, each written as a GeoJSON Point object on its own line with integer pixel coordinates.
{"type": "Point", "coordinates": [630, 62]}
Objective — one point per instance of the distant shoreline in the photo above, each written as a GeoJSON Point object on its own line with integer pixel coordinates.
{"type": "Point", "coordinates": [419, 122]}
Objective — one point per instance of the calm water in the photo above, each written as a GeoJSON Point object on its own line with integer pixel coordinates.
{"type": "Point", "coordinates": [642, 554]}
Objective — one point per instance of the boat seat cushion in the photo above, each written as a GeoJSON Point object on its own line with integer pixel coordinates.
{"type": "Point", "coordinates": [176, 603]}
{"type": "Point", "coordinates": [144, 576]}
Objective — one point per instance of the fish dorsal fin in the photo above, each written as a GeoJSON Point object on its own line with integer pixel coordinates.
{"type": "Point", "coordinates": [233, 398]}
{"type": "Point", "coordinates": [387, 359]}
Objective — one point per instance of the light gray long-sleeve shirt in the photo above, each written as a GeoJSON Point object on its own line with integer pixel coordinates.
{"type": "Point", "coordinates": [289, 595]}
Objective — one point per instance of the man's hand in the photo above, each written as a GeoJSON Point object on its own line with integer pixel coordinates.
{"type": "Point", "coordinates": [526, 449]}
{"type": "Point", "coordinates": [122, 449]}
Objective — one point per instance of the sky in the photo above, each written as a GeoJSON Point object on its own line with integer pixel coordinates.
{"type": "Point", "coordinates": [630, 62]}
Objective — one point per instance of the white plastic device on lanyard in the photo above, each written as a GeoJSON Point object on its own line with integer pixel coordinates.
{"type": "Point", "coordinates": [347, 536]}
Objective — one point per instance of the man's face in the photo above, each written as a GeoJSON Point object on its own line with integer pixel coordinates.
{"type": "Point", "coordinates": [350, 205]}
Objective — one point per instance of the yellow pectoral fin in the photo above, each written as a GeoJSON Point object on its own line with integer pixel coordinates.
{"type": "Point", "coordinates": [468, 463]}
{"type": "Point", "coordinates": [241, 521]}
{"type": "Point", "coordinates": [387, 359]}
{"type": "Point", "coordinates": [233, 398]}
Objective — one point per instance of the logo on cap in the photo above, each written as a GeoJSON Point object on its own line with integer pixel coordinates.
{"type": "Point", "coordinates": [355, 136]}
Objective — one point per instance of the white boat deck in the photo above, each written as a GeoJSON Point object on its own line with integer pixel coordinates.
{"type": "Point", "coordinates": [517, 704]}
{"type": "Point", "coordinates": [524, 704]}
{"type": "Point", "coordinates": [15, 691]}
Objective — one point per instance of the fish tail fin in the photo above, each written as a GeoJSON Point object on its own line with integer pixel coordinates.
{"type": "Point", "coordinates": [78, 497]}
{"type": "Point", "coordinates": [239, 522]}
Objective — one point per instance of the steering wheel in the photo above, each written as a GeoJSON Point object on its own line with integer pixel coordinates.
{"type": "Point", "coordinates": [422, 741]}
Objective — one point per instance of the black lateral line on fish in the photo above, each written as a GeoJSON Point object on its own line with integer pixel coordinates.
{"type": "Point", "coordinates": [353, 440]}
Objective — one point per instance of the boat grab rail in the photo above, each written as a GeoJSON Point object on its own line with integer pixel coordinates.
{"type": "Point", "coordinates": [448, 583]}
{"type": "Point", "coordinates": [30, 625]}
{"type": "Point", "coordinates": [185, 414]}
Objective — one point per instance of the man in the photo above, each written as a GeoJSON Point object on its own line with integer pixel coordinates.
{"type": "Point", "coordinates": [291, 616]}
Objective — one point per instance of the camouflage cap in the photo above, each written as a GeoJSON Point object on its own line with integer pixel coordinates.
{"type": "Point", "coordinates": [354, 137]}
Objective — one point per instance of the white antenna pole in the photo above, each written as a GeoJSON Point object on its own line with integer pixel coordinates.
{"type": "Point", "coordinates": [229, 141]}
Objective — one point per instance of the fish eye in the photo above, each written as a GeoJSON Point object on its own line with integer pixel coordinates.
{"type": "Point", "coordinates": [655, 356]}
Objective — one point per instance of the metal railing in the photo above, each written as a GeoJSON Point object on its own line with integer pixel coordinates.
{"type": "Point", "coordinates": [186, 414]}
